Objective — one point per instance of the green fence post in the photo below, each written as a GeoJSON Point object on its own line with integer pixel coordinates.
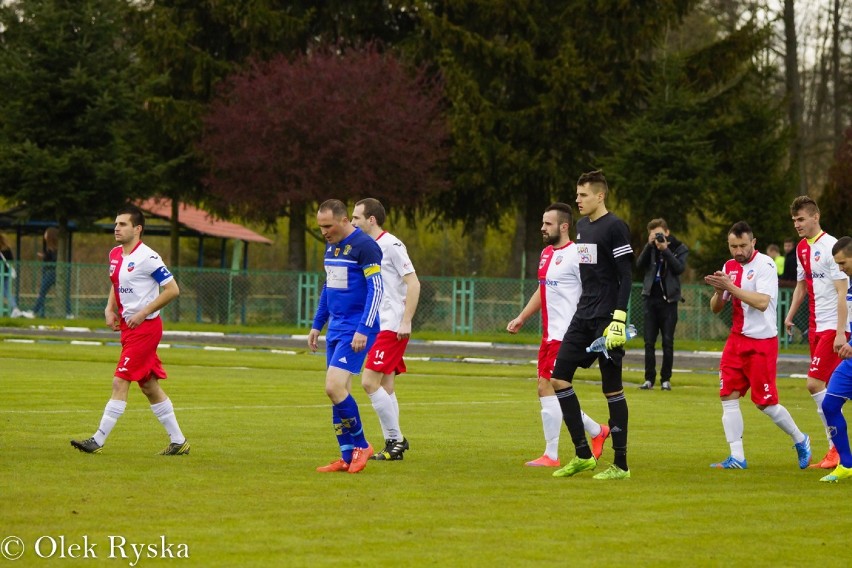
{"type": "Point", "coordinates": [308, 298]}
{"type": "Point", "coordinates": [463, 300]}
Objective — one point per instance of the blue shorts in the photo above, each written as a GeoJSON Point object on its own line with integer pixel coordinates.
{"type": "Point", "coordinates": [338, 353]}
{"type": "Point", "coordinates": [840, 383]}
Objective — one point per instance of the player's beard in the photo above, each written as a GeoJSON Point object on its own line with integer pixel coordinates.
{"type": "Point", "coordinates": [549, 239]}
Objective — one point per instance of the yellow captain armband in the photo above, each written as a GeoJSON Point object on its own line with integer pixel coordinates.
{"type": "Point", "coordinates": [372, 270]}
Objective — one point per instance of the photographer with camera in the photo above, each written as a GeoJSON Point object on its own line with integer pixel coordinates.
{"type": "Point", "coordinates": [664, 260]}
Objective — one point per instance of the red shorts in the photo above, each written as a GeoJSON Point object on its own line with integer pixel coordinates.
{"type": "Point", "coordinates": [750, 363]}
{"type": "Point", "coordinates": [386, 354]}
{"type": "Point", "coordinates": [823, 358]}
{"type": "Point", "coordinates": [139, 361]}
{"type": "Point", "coordinates": [547, 358]}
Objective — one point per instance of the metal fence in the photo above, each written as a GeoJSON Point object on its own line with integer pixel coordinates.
{"type": "Point", "coordinates": [460, 306]}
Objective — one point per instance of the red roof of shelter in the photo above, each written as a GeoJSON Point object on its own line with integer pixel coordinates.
{"type": "Point", "coordinates": [200, 220]}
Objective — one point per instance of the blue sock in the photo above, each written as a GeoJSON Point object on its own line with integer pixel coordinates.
{"type": "Point", "coordinates": [344, 439]}
{"type": "Point", "coordinates": [832, 408]}
{"type": "Point", "coordinates": [350, 418]}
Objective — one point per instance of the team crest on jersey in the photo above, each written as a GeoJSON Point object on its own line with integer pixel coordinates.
{"type": "Point", "coordinates": [816, 256]}
{"type": "Point", "coordinates": [336, 251]}
{"type": "Point", "coordinates": [750, 275]}
{"type": "Point", "coordinates": [558, 260]}
{"type": "Point", "coordinates": [131, 266]}
{"type": "Point", "coordinates": [347, 249]}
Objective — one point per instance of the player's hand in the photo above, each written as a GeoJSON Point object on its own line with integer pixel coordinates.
{"type": "Point", "coordinates": [719, 280]}
{"type": "Point", "coordinates": [359, 341]}
{"type": "Point", "coordinates": [616, 333]}
{"type": "Point", "coordinates": [839, 342]}
{"type": "Point", "coordinates": [313, 337]}
{"type": "Point", "coordinates": [404, 330]}
{"type": "Point", "coordinates": [136, 320]}
{"type": "Point", "coordinates": [515, 325]}
{"type": "Point", "coordinates": [845, 352]}
{"type": "Point", "coordinates": [788, 325]}
{"type": "Point", "coordinates": [112, 320]}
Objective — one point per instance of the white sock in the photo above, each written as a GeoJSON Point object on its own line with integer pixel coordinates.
{"type": "Point", "coordinates": [551, 422]}
{"type": "Point", "coordinates": [592, 427]}
{"type": "Point", "coordinates": [383, 405]}
{"type": "Point", "coordinates": [732, 422]}
{"type": "Point", "coordinates": [165, 413]}
{"type": "Point", "coordinates": [781, 417]}
{"type": "Point", "coordinates": [395, 404]}
{"type": "Point", "coordinates": [112, 412]}
{"type": "Point", "coordinates": [818, 398]}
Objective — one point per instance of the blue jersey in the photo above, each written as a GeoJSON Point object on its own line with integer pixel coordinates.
{"type": "Point", "coordinates": [352, 292]}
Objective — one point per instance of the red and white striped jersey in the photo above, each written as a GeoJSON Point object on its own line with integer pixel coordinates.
{"type": "Point", "coordinates": [757, 275]}
{"type": "Point", "coordinates": [816, 266]}
{"type": "Point", "coordinates": [560, 287]}
{"type": "Point", "coordinates": [136, 278]}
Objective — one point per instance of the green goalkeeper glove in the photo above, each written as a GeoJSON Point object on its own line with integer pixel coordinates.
{"type": "Point", "coordinates": [616, 336]}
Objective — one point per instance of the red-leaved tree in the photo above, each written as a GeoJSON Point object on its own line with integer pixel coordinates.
{"type": "Point", "coordinates": [285, 134]}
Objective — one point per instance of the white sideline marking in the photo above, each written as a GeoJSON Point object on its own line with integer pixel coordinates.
{"type": "Point", "coordinates": [81, 342]}
{"type": "Point", "coordinates": [19, 340]}
{"type": "Point", "coordinates": [216, 348]}
{"type": "Point", "coordinates": [196, 333]}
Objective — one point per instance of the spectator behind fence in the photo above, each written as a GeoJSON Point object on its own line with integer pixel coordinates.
{"type": "Point", "coordinates": [788, 275]}
{"type": "Point", "coordinates": [7, 259]}
{"type": "Point", "coordinates": [663, 259]}
{"type": "Point", "coordinates": [49, 254]}
{"type": "Point", "coordinates": [775, 254]}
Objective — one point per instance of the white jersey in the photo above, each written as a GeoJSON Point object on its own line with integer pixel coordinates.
{"type": "Point", "coordinates": [816, 267]}
{"type": "Point", "coordinates": [560, 287]}
{"type": "Point", "coordinates": [136, 278]}
{"type": "Point", "coordinates": [757, 275]}
{"type": "Point", "coordinates": [395, 265]}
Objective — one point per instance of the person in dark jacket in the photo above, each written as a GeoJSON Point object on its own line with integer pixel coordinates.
{"type": "Point", "coordinates": [663, 259]}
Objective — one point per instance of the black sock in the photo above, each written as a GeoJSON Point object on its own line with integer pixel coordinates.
{"type": "Point", "coordinates": [573, 417]}
{"type": "Point", "coordinates": [618, 428]}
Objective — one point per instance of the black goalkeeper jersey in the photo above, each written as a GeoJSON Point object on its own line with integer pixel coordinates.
{"type": "Point", "coordinates": [606, 264]}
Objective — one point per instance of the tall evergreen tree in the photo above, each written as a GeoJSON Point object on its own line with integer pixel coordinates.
{"type": "Point", "coordinates": [532, 88]}
{"type": "Point", "coordinates": [68, 101]}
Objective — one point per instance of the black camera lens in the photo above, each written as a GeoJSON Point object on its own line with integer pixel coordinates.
{"type": "Point", "coordinates": [660, 238]}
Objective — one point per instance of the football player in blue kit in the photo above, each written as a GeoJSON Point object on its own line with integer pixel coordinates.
{"type": "Point", "coordinates": [349, 303]}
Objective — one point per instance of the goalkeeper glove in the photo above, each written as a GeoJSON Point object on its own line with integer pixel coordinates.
{"type": "Point", "coordinates": [615, 333]}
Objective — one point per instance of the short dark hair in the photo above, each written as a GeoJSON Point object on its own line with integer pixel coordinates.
{"type": "Point", "coordinates": [806, 203]}
{"type": "Point", "coordinates": [373, 208]}
{"type": "Point", "coordinates": [137, 217]}
{"type": "Point", "coordinates": [337, 208]}
{"type": "Point", "coordinates": [595, 179]}
{"type": "Point", "coordinates": [658, 222]}
{"type": "Point", "coordinates": [790, 240]}
{"type": "Point", "coordinates": [741, 228]}
{"type": "Point", "coordinates": [564, 213]}
{"type": "Point", "coordinates": [843, 244]}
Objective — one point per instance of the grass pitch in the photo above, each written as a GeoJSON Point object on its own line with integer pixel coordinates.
{"type": "Point", "coordinates": [259, 424]}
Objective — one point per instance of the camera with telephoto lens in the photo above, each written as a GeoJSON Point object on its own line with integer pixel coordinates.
{"type": "Point", "coordinates": [659, 237]}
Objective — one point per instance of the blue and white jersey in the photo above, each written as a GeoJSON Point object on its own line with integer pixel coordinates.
{"type": "Point", "coordinates": [352, 292]}
{"type": "Point", "coordinates": [849, 308]}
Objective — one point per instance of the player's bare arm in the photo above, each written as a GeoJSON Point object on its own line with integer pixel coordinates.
{"type": "Point", "coordinates": [533, 305]}
{"type": "Point", "coordinates": [842, 311]}
{"type": "Point", "coordinates": [721, 281]}
{"type": "Point", "coordinates": [111, 311]}
{"type": "Point", "coordinates": [169, 292]}
{"type": "Point", "coordinates": [412, 298]}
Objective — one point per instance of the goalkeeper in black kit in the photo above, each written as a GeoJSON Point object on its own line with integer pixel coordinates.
{"type": "Point", "coordinates": [606, 263]}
